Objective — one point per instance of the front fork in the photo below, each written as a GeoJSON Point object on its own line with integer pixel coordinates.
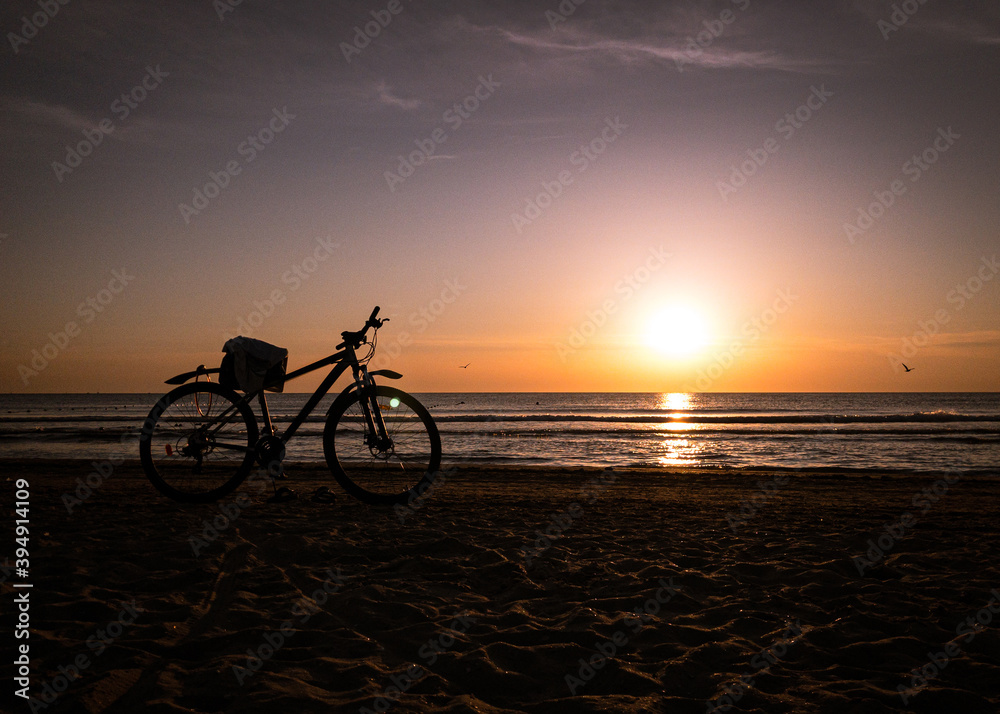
{"type": "Point", "coordinates": [377, 436]}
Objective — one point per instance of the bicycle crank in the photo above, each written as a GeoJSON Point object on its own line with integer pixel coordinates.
{"type": "Point", "coordinates": [270, 452]}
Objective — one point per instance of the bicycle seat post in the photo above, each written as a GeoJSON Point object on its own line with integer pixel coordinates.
{"type": "Point", "coordinates": [268, 426]}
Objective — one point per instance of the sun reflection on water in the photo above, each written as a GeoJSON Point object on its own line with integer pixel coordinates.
{"type": "Point", "coordinates": [675, 401]}
{"type": "Point", "coordinates": [675, 450]}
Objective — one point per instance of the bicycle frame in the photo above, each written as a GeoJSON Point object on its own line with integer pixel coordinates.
{"type": "Point", "coordinates": [342, 360]}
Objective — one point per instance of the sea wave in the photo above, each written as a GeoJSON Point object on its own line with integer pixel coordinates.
{"type": "Point", "coordinates": [934, 417]}
{"type": "Point", "coordinates": [682, 418]}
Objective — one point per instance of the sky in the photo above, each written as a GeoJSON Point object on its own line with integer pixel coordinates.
{"type": "Point", "coordinates": [741, 195]}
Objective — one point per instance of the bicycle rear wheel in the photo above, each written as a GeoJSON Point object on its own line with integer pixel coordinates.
{"type": "Point", "coordinates": [197, 443]}
{"type": "Point", "coordinates": [384, 474]}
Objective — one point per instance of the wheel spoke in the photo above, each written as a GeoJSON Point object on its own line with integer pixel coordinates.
{"type": "Point", "coordinates": [382, 473]}
{"type": "Point", "coordinates": [197, 443]}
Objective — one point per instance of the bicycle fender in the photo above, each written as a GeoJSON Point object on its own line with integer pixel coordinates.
{"type": "Point", "coordinates": [351, 389]}
{"type": "Point", "coordinates": [182, 378]}
{"type": "Point", "coordinates": [387, 373]}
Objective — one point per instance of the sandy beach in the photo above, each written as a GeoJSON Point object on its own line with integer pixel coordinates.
{"type": "Point", "coordinates": [514, 590]}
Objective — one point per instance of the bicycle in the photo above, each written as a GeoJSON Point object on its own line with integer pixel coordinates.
{"type": "Point", "coordinates": [201, 440]}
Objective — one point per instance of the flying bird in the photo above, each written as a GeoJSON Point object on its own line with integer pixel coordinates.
{"type": "Point", "coordinates": [908, 369]}
{"type": "Point", "coordinates": [464, 366]}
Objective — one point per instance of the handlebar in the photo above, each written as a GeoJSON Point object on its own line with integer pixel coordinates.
{"type": "Point", "coordinates": [354, 339]}
{"type": "Point", "coordinates": [372, 322]}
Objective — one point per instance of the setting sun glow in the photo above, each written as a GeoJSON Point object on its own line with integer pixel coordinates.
{"type": "Point", "coordinates": [677, 331]}
{"type": "Point", "coordinates": [661, 243]}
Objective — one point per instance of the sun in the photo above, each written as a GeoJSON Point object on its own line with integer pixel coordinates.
{"type": "Point", "coordinates": [677, 331]}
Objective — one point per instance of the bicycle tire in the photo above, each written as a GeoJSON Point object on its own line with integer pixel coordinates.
{"type": "Point", "coordinates": [387, 477]}
{"type": "Point", "coordinates": [182, 461]}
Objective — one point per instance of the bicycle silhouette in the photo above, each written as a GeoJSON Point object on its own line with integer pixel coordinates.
{"type": "Point", "coordinates": [201, 440]}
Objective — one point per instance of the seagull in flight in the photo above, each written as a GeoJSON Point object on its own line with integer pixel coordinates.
{"type": "Point", "coordinates": [464, 366]}
{"type": "Point", "coordinates": [908, 369]}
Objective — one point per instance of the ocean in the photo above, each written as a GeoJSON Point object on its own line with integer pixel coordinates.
{"type": "Point", "coordinates": [906, 432]}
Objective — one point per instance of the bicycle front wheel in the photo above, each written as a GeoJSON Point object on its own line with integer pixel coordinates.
{"type": "Point", "coordinates": [197, 443]}
{"type": "Point", "coordinates": [388, 472]}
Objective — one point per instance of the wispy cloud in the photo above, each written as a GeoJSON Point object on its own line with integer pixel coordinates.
{"type": "Point", "coordinates": [943, 342]}
{"type": "Point", "coordinates": [966, 30]}
{"type": "Point", "coordinates": [883, 344]}
{"type": "Point", "coordinates": [386, 97]}
{"type": "Point", "coordinates": [50, 115]}
{"type": "Point", "coordinates": [968, 340]}
{"type": "Point", "coordinates": [671, 46]}
{"type": "Point", "coordinates": [59, 122]}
